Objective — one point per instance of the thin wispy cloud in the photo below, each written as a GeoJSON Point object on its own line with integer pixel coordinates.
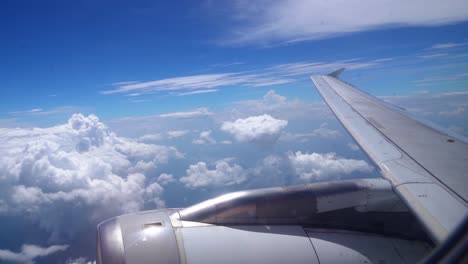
{"type": "Point", "coordinates": [223, 65]}
{"type": "Point", "coordinates": [188, 114]}
{"type": "Point", "coordinates": [306, 68]}
{"type": "Point", "coordinates": [198, 92]}
{"type": "Point", "coordinates": [287, 21]}
{"type": "Point", "coordinates": [122, 83]}
{"type": "Point", "coordinates": [384, 59]}
{"type": "Point", "coordinates": [138, 101]}
{"type": "Point", "coordinates": [195, 82]}
{"type": "Point", "coordinates": [452, 77]}
{"type": "Point", "coordinates": [210, 83]}
{"type": "Point", "coordinates": [34, 110]}
{"type": "Point", "coordinates": [433, 56]}
{"type": "Point", "coordinates": [40, 111]}
{"type": "Point", "coordinates": [447, 45]}
{"type": "Point", "coordinates": [453, 93]}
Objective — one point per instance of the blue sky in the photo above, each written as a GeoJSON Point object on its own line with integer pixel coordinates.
{"type": "Point", "coordinates": [113, 107]}
{"type": "Point", "coordinates": [61, 55]}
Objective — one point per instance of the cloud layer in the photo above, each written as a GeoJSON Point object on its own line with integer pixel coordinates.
{"type": "Point", "coordinates": [77, 167]}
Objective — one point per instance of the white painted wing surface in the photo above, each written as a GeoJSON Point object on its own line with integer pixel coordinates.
{"type": "Point", "coordinates": [426, 167]}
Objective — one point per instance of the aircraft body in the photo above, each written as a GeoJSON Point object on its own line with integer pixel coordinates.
{"type": "Point", "coordinates": [420, 201]}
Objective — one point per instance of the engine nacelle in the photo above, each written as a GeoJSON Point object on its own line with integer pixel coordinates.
{"type": "Point", "coordinates": [342, 221]}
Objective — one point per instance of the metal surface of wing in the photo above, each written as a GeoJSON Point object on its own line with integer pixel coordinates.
{"type": "Point", "coordinates": [426, 167]}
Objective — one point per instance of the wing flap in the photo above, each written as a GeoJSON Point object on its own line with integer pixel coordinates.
{"type": "Point", "coordinates": [424, 168]}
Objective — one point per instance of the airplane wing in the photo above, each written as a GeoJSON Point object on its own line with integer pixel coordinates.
{"type": "Point", "coordinates": [427, 168]}
{"type": "Point", "coordinates": [346, 221]}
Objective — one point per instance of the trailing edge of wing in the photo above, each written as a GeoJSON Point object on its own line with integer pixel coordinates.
{"type": "Point", "coordinates": [426, 167]}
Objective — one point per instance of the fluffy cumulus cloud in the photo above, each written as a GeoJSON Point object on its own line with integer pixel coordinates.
{"type": "Point", "coordinates": [262, 129]}
{"type": "Point", "coordinates": [223, 174]}
{"type": "Point", "coordinates": [80, 167]}
{"type": "Point", "coordinates": [165, 178]}
{"type": "Point", "coordinates": [316, 166]}
{"type": "Point", "coordinates": [273, 21]}
{"type": "Point", "coordinates": [281, 107]}
{"type": "Point", "coordinates": [29, 253]}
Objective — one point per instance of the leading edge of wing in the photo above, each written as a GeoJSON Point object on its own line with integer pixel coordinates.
{"type": "Point", "coordinates": [387, 136]}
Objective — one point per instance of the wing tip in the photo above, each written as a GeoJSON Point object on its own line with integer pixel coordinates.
{"type": "Point", "coordinates": [337, 73]}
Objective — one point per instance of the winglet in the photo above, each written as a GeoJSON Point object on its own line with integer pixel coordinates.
{"type": "Point", "coordinates": [336, 73]}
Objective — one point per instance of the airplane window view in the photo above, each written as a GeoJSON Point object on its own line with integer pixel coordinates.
{"type": "Point", "coordinates": [269, 131]}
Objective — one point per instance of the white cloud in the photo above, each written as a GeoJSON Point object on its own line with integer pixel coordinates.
{"type": "Point", "coordinates": [34, 110]}
{"type": "Point", "coordinates": [204, 138]}
{"type": "Point", "coordinates": [282, 21]}
{"type": "Point", "coordinates": [281, 107]}
{"type": "Point", "coordinates": [447, 45]}
{"type": "Point", "coordinates": [177, 133]}
{"type": "Point", "coordinates": [454, 93]}
{"type": "Point", "coordinates": [263, 129]}
{"type": "Point", "coordinates": [30, 252]}
{"type": "Point", "coordinates": [122, 83]}
{"type": "Point", "coordinates": [164, 178]}
{"type": "Point", "coordinates": [43, 112]}
{"type": "Point", "coordinates": [77, 167]}
{"type": "Point", "coordinates": [451, 77]}
{"type": "Point", "coordinates": [269, 76]}
{"type": "Point", "coordinates": [202, 82]}
{"type": "Point", "coordinates": [316, 166]}
{"type": "Point", "coordinates": [224, 174]}
{"type": "Point", "coordinates": [188, 114]}
{"type": "Point", "coordinates": [317, 67]}
{"type": "Point", "coordinates": [433, 56]}
{"type": "Point", "coordinates": [198, 92]}
{"type": "Point", "coordinates": [138, 100]}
